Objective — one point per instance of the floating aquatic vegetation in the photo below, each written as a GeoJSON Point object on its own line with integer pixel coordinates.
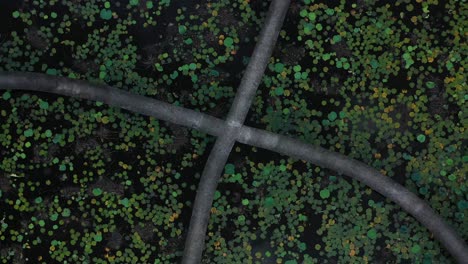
{"type": "Point", "coordinates": [370, 79]}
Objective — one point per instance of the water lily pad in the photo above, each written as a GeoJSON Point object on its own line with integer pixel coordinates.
{"type": "Point", "coordinates": [182, 29]}
{"type": "Point", "coordinates": [269, 202]}
{"type": "Point", "coordinates": [241, 218]}
{"type": "Point", "coordinates": [102, 75]}
{"type": "Point", "coordinates": [66, 212]}
{"type": "Point", "coordinates": [43, 105]}
{"type": "Point", "coordinates": [372, 234]}
{"type": "Point", "coordinates": [430, 85]}
{"type": "Point", "coordinates": [329, 11]}
{"type": "Point", "coordinates": [462, 205]}
{"type": "Point", "coordinates": [312, 16]}
{"type": "Point", "coordinates": [449, 162]}
{"type": "Point", "coordinates": [279, 91]}
{"type": "Point", "coordinates": [217, 194]}
{"type": "Point", "coordinates": [421, 138]}
{"type": "Point", "coordinates": [51, 71]}
{"type": "Point", "coordinates": [336, 38]}
{"type": "Point", "coordinates": [105, 14]}
{"type": "Point", "coordinates": [6, 95]}
{"type": "Point", "coordinates": [98, 237]}
{"type": "Point", "coordinates": [229, 168]}
{"type": "Point", "coordinates": [54, 217]}
{"type": "Point", "coordinates": [324, 193]}
{"type": "Point", "coordinates": [228, 42]}
{"type": "Point", "coordinates": [416, 249]}
{"type": "Point", "coordinates": [279, 67]}
{"type": "Point", "coordinates": [28, 132]}
{"type": "Point", "coordinates": [375, 64]}
{"type": "Point", "coordinates": [125, 202]}
{"type": "Point", "coordinates": [97, 191]}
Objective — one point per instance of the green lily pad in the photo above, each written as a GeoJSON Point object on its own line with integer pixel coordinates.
{"type": "Point", "coordinates": [102, 75]}
{"type": "Point", "coordinates": [228, 42]}
{"type": "Point", "coordinates": [430, 85]}
{"type": "Point", "coordinates": [269, 202]}
{"type": "Point", "coordinates": [97, 191]}
{"type": "Point", "coordinates": [308, 27]}
{"type": "Point", "coordinates": [312, 16]}
{"type": "Point", "coordinates": [241, 218]}
{"type": "Point", "coordinates": [182, 29]}
{"type": "Point", "coordinates": [54, 217]}
{"type": "Point", "coordinates": [43, 105]}
{"type": "Point", "coordinates": [324, 193]}
{"type": "Point", "coordinates": [51, 72]}
{"type": "Point", "coordinates": [336, 38]}
{"type": "Point", "coordinates": [372, 234]}
{"type": "Point", "coordinates": [105, 14]}
{"type": "Point", "coordinates": [66, 212]}
{"type": "Point", "coordinates": [125, 202]}
{"type": "Point", "coordinates": [6, 95]}
{"type": "Point", "coordinates": [229, 168]}
{"type": "Point", "coordinates": [452, 177]}
{"type": "Point", "coordinates": [416, 249]}
{"type": "Point", "coordinates": [303, 13]}
{"type": "Point", "coordinates": [28, 132]}
{"type": "Point", "coordinates": [279, 67]}
{"type": "Point", "coordinates": [98, 237]}
{"type": "Point", "coordinates": [279, 91]}
{"type": "Point", "coordinates": [449, 162]}
{"type": "Point", "coordinates": [48, 133]}
{"type": "Point", "coordinates": [375, 64]}
{"type": "Point", "coordinates": [421, 138]}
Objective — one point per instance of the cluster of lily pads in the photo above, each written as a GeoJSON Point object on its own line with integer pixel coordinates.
{"type": "Point", "coordinates": [380, 81]}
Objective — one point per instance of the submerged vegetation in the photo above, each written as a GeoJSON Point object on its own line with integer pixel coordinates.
{"type": "Point", "coordinates": [379, 81]}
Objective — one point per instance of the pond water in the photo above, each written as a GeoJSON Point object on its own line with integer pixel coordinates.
{"type": "Point", "coordinates": [380, 81]}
